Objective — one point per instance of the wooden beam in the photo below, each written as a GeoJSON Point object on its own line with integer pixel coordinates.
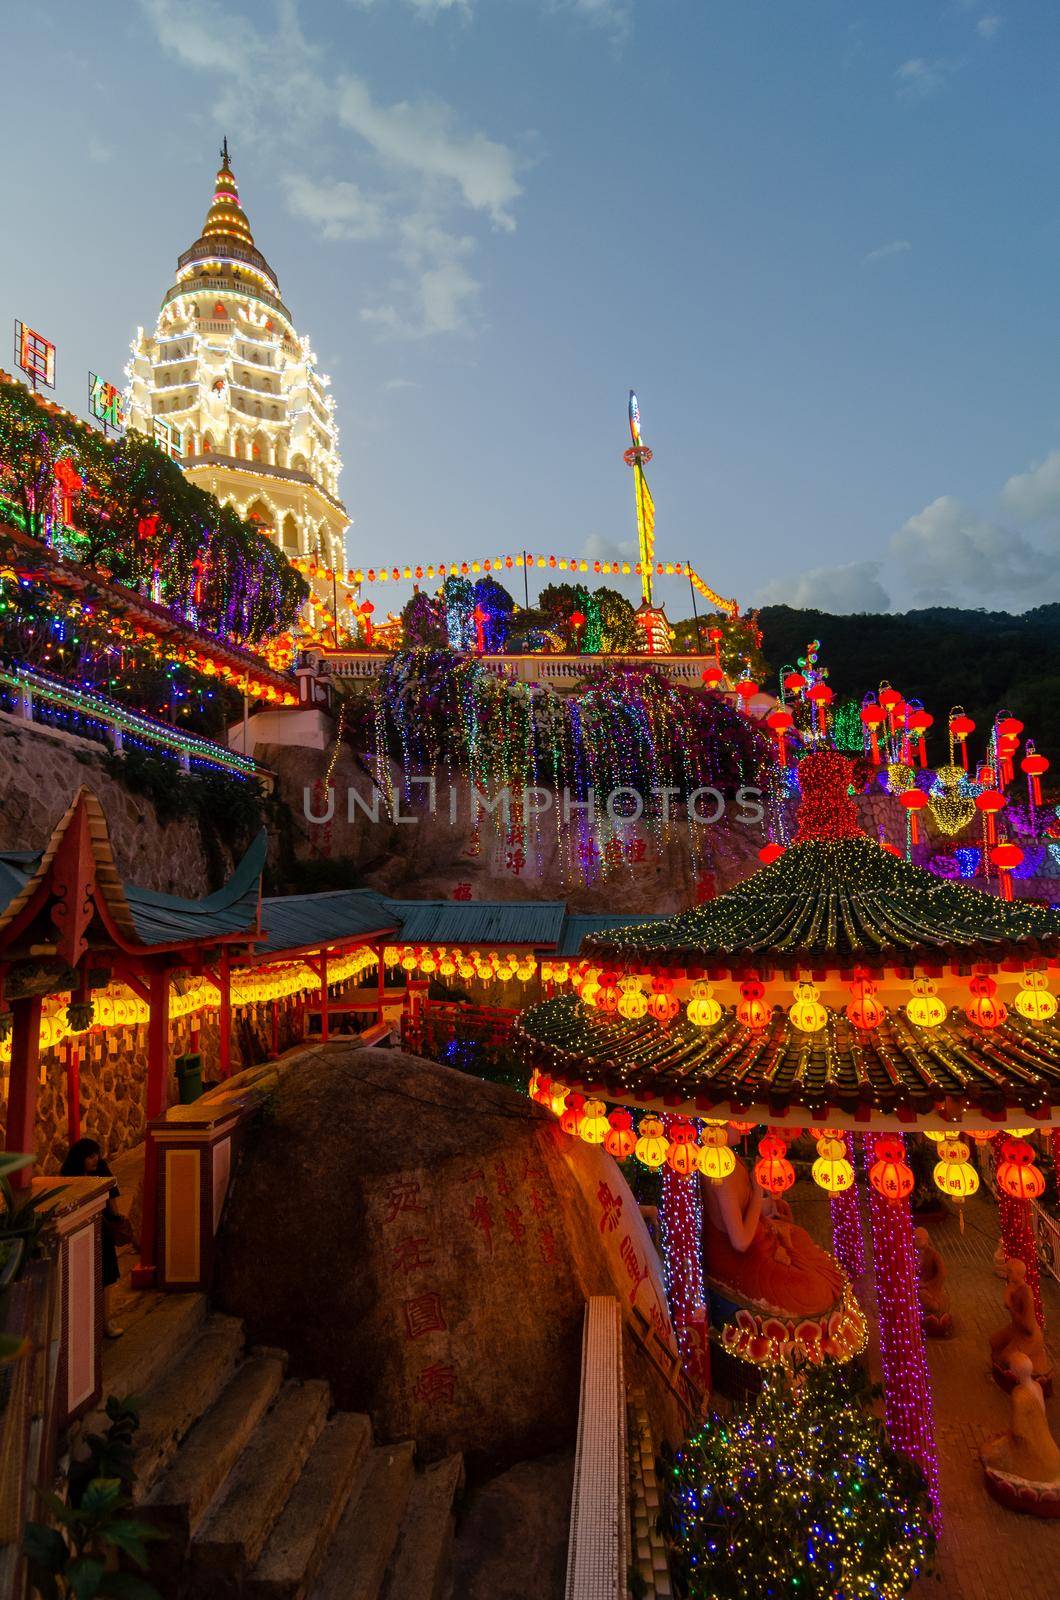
{"type": "Point", "coordinates": [144, 1275]}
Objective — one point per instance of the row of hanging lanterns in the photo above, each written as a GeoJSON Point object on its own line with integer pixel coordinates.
{"type": "Point", "coordinates": [487, 966]}
{"type": "Point", "coordinates": [609, 994]}
{"type": "Point", "coordinates": [686, 1150]}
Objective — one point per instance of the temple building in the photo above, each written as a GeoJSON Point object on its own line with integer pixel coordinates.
{"type": "Point", "coordinates": [228, 386]}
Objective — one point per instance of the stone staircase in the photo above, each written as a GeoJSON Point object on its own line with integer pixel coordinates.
{"type": "Point", "coordinates": [264, 1491]}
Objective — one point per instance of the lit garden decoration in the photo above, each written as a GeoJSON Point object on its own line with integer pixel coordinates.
{"type": "Point", "coordinates": [846, 991]}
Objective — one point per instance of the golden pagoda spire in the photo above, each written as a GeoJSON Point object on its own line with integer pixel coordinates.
{"type": "Point", "coordinates": [226, 218]}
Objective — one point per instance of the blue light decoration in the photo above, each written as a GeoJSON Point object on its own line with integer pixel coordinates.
{"type": "Point", "coordinates": [494, 600]}
{"type": "Point", "coordinates": [968, 857]}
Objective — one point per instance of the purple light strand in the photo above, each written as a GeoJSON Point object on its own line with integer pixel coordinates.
{"type": "Point", "coordinates": [848, 1244]}
{"type": "Point", "coordinates": [908, 1404]}
{"type": "Point", "coordinates": [681, 1217]}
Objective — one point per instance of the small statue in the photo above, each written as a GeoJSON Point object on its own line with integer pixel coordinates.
{"type": "Point", "coordinates": [1022, 1466]}
{"type": "Point", "coordinates": [1021, 1335]}
{"type": "Point", "coordinates": [934, 1296]}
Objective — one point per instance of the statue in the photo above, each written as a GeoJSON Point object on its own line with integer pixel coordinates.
{"type": "Point", "coordinates": [1022, 1466]}
{"type": "Point", "coordinates": [1021, 1335]}
{"type": "Point", "coordinates": [934, 1296]}
{"type": "Point", "coordinates": [766, 1260]}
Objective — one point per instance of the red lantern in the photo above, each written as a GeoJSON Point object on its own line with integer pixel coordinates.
{"type": "Point", "coordinates": [913, 800]}
{"type": "Point", "coordinates": [890, 1174]}
{"type": "Point", "coordinates": [985, 1011]}
{"type": "Point", "coordinates": [960, 727]}
{"type": "Point", "coordinates": [794, 682]}
{"type": "Point", "coordinates": [570, 1121]}
{"type": "Point", "coordinates": [892, 702]}
{"type": "Point", "coordinates": [781, 721]}
{"type": "Point", "coordinates": [822, 698]}
{"type": "Point", "coordinates": [872, 717]}
{"type": "Point", "coordinates": [747, 688]}
{"type": "Point", "coordinates": [1016, 1173]}
{"type": "Point", "coordinates": [609, 994]}
{"type": "Point", "coordinates": [773, 1170]}
{"type": "Point", "coordinates": [621, 1141]}
{"type": "Point", "coordinates": [990, 802]}
{"type": "Point", "coordinates": [1035, 766]}
{"type": "Point", "coordinates": [752, 1010]}
{"type": "Point", "coordinates": [661, 1002]}
{"type": "Point", "coordinates": [864, 1011]}
{"type": "Point", "coordinates": [1006, 857]}
{"type": "Point", "coordinates": [712, 676]}
{"type": "Point", "coordinates": [683, 1154]}
{"type": "Point", "coordinates": [918, 721]}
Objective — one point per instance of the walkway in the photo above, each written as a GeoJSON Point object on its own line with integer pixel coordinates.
{"type": "Point", "coordinates": [986, 1553]}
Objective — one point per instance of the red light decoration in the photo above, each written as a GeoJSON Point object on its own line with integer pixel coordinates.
{"type": "Point", "coordinates": [773, 1170]}
{"type": "Point", "coordinates": [989, 803]}
{"type": "Point", "coordinates": [1016, 1173]}
{"type": "Point", "coordinates": [1035, 766]}
{"type": "Point", "coordinates": [864, 1011]}
{"type": "Point", "coordinates": [914, 801]}
{"type": "Point", "coordinates": [769, 853]}
{"type": "Point", "coordinates": [683, 1154]}
{"type": "Point", "coordinates": [621, 1141]}
{"type": "Point", "coordinates": [661, 1003]}
{"type": "Point", "coordinates": [984, 1009]}
{"type": "Point", "coordinates": [781, 721]}
{"type": "Point", "coordinates": [961, 726]}
{"type": "Point", "coordinates": [872, 717]}
{"type": "Point", "coordinates": [752, 1010]}
{"type": "Point", "coordinates": [1006, 857]}
{"type": "Point", "coordinates": [609, 993]}
{"type": "Point", "coordinates": [821, 696]}
{"type": "Point", "coordinates": [826, 810]}
{"type": "Point", "coordinates": [890, 1174]}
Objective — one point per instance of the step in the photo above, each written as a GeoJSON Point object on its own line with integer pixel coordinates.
{"type": "Point", "coordinates": [420, 1567]}
{"type": "Point", "coordinates": [364, 1541]}
{"type": "Point", "coordinates": [177, 1399]}
{"type": "Point", "coordinates": [181, 1496]}
{"type": "Point", "coordinates": [297, 1544]}
{"type": "Point", "coordinates": [151, 1344]}
{"type": "Point", "coordinates": [232, 1534]}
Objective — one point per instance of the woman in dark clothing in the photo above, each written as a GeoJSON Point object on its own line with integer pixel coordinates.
{"type": "Point", "coordinates": [85, 1160]}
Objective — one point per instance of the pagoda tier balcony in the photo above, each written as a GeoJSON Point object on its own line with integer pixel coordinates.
{"type": "Point", "coordinates": [255, 388]}
{"type": "Point", "coordinates": [245, 409]}
{"type": "Point", "coordinates": [261, 469]}
{"type": "Point", "coordinates": [218, 285]}
{"type": "Point", "coordinates": [563, 673]}
{"type": "Point", "coordinates": [207, 250]}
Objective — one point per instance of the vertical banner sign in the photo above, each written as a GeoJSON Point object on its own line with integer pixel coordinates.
{"type": "Point", "coordinates": [169, 439]}
{"type": "Point", "coordinates": [34, 355]}
{"type": "Point", "coordinates": [636, 457]}
{"type": "Point", "coordinates": [106, 403]}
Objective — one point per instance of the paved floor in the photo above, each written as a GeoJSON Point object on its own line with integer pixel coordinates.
{"type": "Point", "coordinates": [986, 1553]}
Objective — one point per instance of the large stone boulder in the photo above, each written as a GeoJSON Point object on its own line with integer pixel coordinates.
{"type": "Point", "coordinates": [426, 1241]}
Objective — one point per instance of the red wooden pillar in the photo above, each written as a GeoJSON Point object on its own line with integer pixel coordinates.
{"type": "Point", "coordinates": [22, 1091]}
{"type": "Point", "coordinates": [323, 997]}
{"type": "Point", "coordinates": [157, 1084]}
{"type": "Point", "coordinates": [381, 973]}
{"type": "Point", "coordinates": [73, 1091]}
{"type": "Point", "coordinates": [224, 1018]}
{"type": "Point", "coordinates": [275, 1027]}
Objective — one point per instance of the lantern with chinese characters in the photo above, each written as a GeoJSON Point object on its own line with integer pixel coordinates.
{"type": "Point", "coordinates": [683, 1154]}
{"type": "Point", "coordinates": [391, 955]}
{"type": "Point", "coordinates": [446, 965]}
{"type": "Point", "coordinates": [864, 1011]}
{"type": "Point", "coordinates": [890, 1174]}
{"type": "Point", "coordinates": [773, 1170]}
{"type": "Point", "coordinates": [752, 1010]}
{"type": "Point", "coordinates": [1016, 1173]}
{"type": "Point", "coordinates": [782, 722]}
{"type": "Point", "coordinates": [524, 970]}
{"type": "Point", "coordinates": [594, 1126]}
{"type": "Point", "coordinates": [588, 993]}
{"type": "Point", "coordinates": [571, 1119]}
{"type": "Point", "coordinates": [703, 1011]}
{"type": "Point", "coordinates": [662, 1005]}
{"type": "Point", "coordinates": [954, 1174]}
{"type": "Point", "coordinates": [1034, 1002]}
{"type": "Point", "coordinates": [832, 1170]}
{"type": "Point", "coordinates": [925, 1008]}
{"type": "Point", "coordinates": [652, 1143]}
{"type": "Point", "coordinates": [985, 1010]}
{"type": "Point", "coordinates": [621, 1141]}
{"type": "Point", "coordinates": [609, 994]}
{"type": "Point", "coordinates": [807, 1013]}
{"type": "Point", "coordinates": [1006, 857]}
{"type": "Point", "coordinates": [428, 964]}
{"type": "Point", "coordinates": [632, 1002]}
{"type": "Point", "coordinates": [716, 1160]}
{"type": "Point", "coordinates": [408, 960]}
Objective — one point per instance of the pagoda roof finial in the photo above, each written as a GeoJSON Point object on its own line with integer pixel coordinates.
{"type": "Point", "coordinates": [225, 162]}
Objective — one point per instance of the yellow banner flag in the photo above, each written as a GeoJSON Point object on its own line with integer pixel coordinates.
{"type": "Point", "coordinates": [645, 529]}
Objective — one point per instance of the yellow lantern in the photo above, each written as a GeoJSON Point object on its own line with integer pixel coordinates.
{"type": "Point", "coordinates": [594, 1127]}
{"type": "Point", "coordinates": [558, 1098]}
{"type": "Point", "coordinates": [525, 969]}
{"type": "Point", "coordinates": [716, 1160]}
{"type": "Point", "coordinates": [427, 963]}
{"type": "Point", "coordinates": [652, 1143]}
{"type": "Point", "coordinates": [446, 965]}
{"type": "Point", "coordinates": [632, 1001]}
{"type": "Point", "coordinates": [954, 1174]}
{"type": "Point", "coordinates": [1034, 1001]}
{"type": "Point", "coordinates": [925, 1009]}
{"type": "Point", "coordinates": [832, 1171]}
{"type": "Point", "coordinates": [465, 969]}
{"type": "Point", "coordinates": [807, 1013]}
{"type": "Point", "coordinates": [590, 990]}
{"type": "Point", "coordinates": [703, 1011]}
{"type": "Point", "coordinates": [408, 960]}
{"type": "Point", "coordinates": [560, 971]}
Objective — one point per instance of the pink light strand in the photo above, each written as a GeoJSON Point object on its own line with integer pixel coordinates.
{"type": "Point", "coordinates": [1017, 1237]}
{"type": "Point", "coordinates": [681, 1219]}
{"type": "Point", "coordinates": [848, 1244]}
{"type": "Point", "coordinates": [908, 1404]}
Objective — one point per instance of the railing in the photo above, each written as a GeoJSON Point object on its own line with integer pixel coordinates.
{"type": "Point", "coordinates": [475, 1037]}
{"type": "Point", "coordinates": [598, 1544]}
{"type": "Point", "coordinates": [1047, 1238]}
{"type": "Point", "coordinates": [243, 464]}
{"type": "Point", "coordinates": [210, 285]}
{"type": "Point", "coordinates": [91, 716]}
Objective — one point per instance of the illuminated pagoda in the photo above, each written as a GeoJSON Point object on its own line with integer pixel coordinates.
{"type": "Point", "coordinates": [841, 987]}
{"type": "Point", "coordinates": [228, 386]}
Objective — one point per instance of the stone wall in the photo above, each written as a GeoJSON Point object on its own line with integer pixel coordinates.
{"type": "Point", "coordinates": [41, 769]}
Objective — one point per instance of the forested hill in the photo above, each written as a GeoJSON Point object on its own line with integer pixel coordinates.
{"type": "Point", "coordinates": [983, 660]}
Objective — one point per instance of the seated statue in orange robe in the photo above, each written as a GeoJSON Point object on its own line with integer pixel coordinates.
{"type": "Point", "coordinates": [768, 1261]}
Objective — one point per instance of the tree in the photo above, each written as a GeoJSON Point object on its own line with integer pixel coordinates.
{"type": "Point", "coordinates": [497, 603]}
{"type": "Point", "coordinates": [423, 623]}
{"type": "Point", "coordinates": [800, 1495]}
{"type": "Point", "coordinates": [618, 627]}
{"type": "Point", "coordinates": [458, 604]}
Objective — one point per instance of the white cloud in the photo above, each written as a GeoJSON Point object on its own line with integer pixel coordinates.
{"type": "Point", "coordinates": [407, 177]}
{"type": "Point", "coordinates": [422, 138]}
{"type": "Point", "coordinates": [394, 385]}
{"type": "Point", "coordinates": [337, 209]}
{"type": "Point", "coordinates": [843, 590]}
{"type": "Point", "coordinates": [884, 252]}
{"type": "Point", "coordinates": [951, 554]}
{"type": "Point", "coordinates": [918, 79]}
{"type": "Point", "coordinates": [1035, 494]}
{"type": "Point", "coordinates": [987, 26]}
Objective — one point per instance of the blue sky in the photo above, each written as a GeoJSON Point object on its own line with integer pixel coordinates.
{"type": "Point", "coordinates": [821, 239]}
